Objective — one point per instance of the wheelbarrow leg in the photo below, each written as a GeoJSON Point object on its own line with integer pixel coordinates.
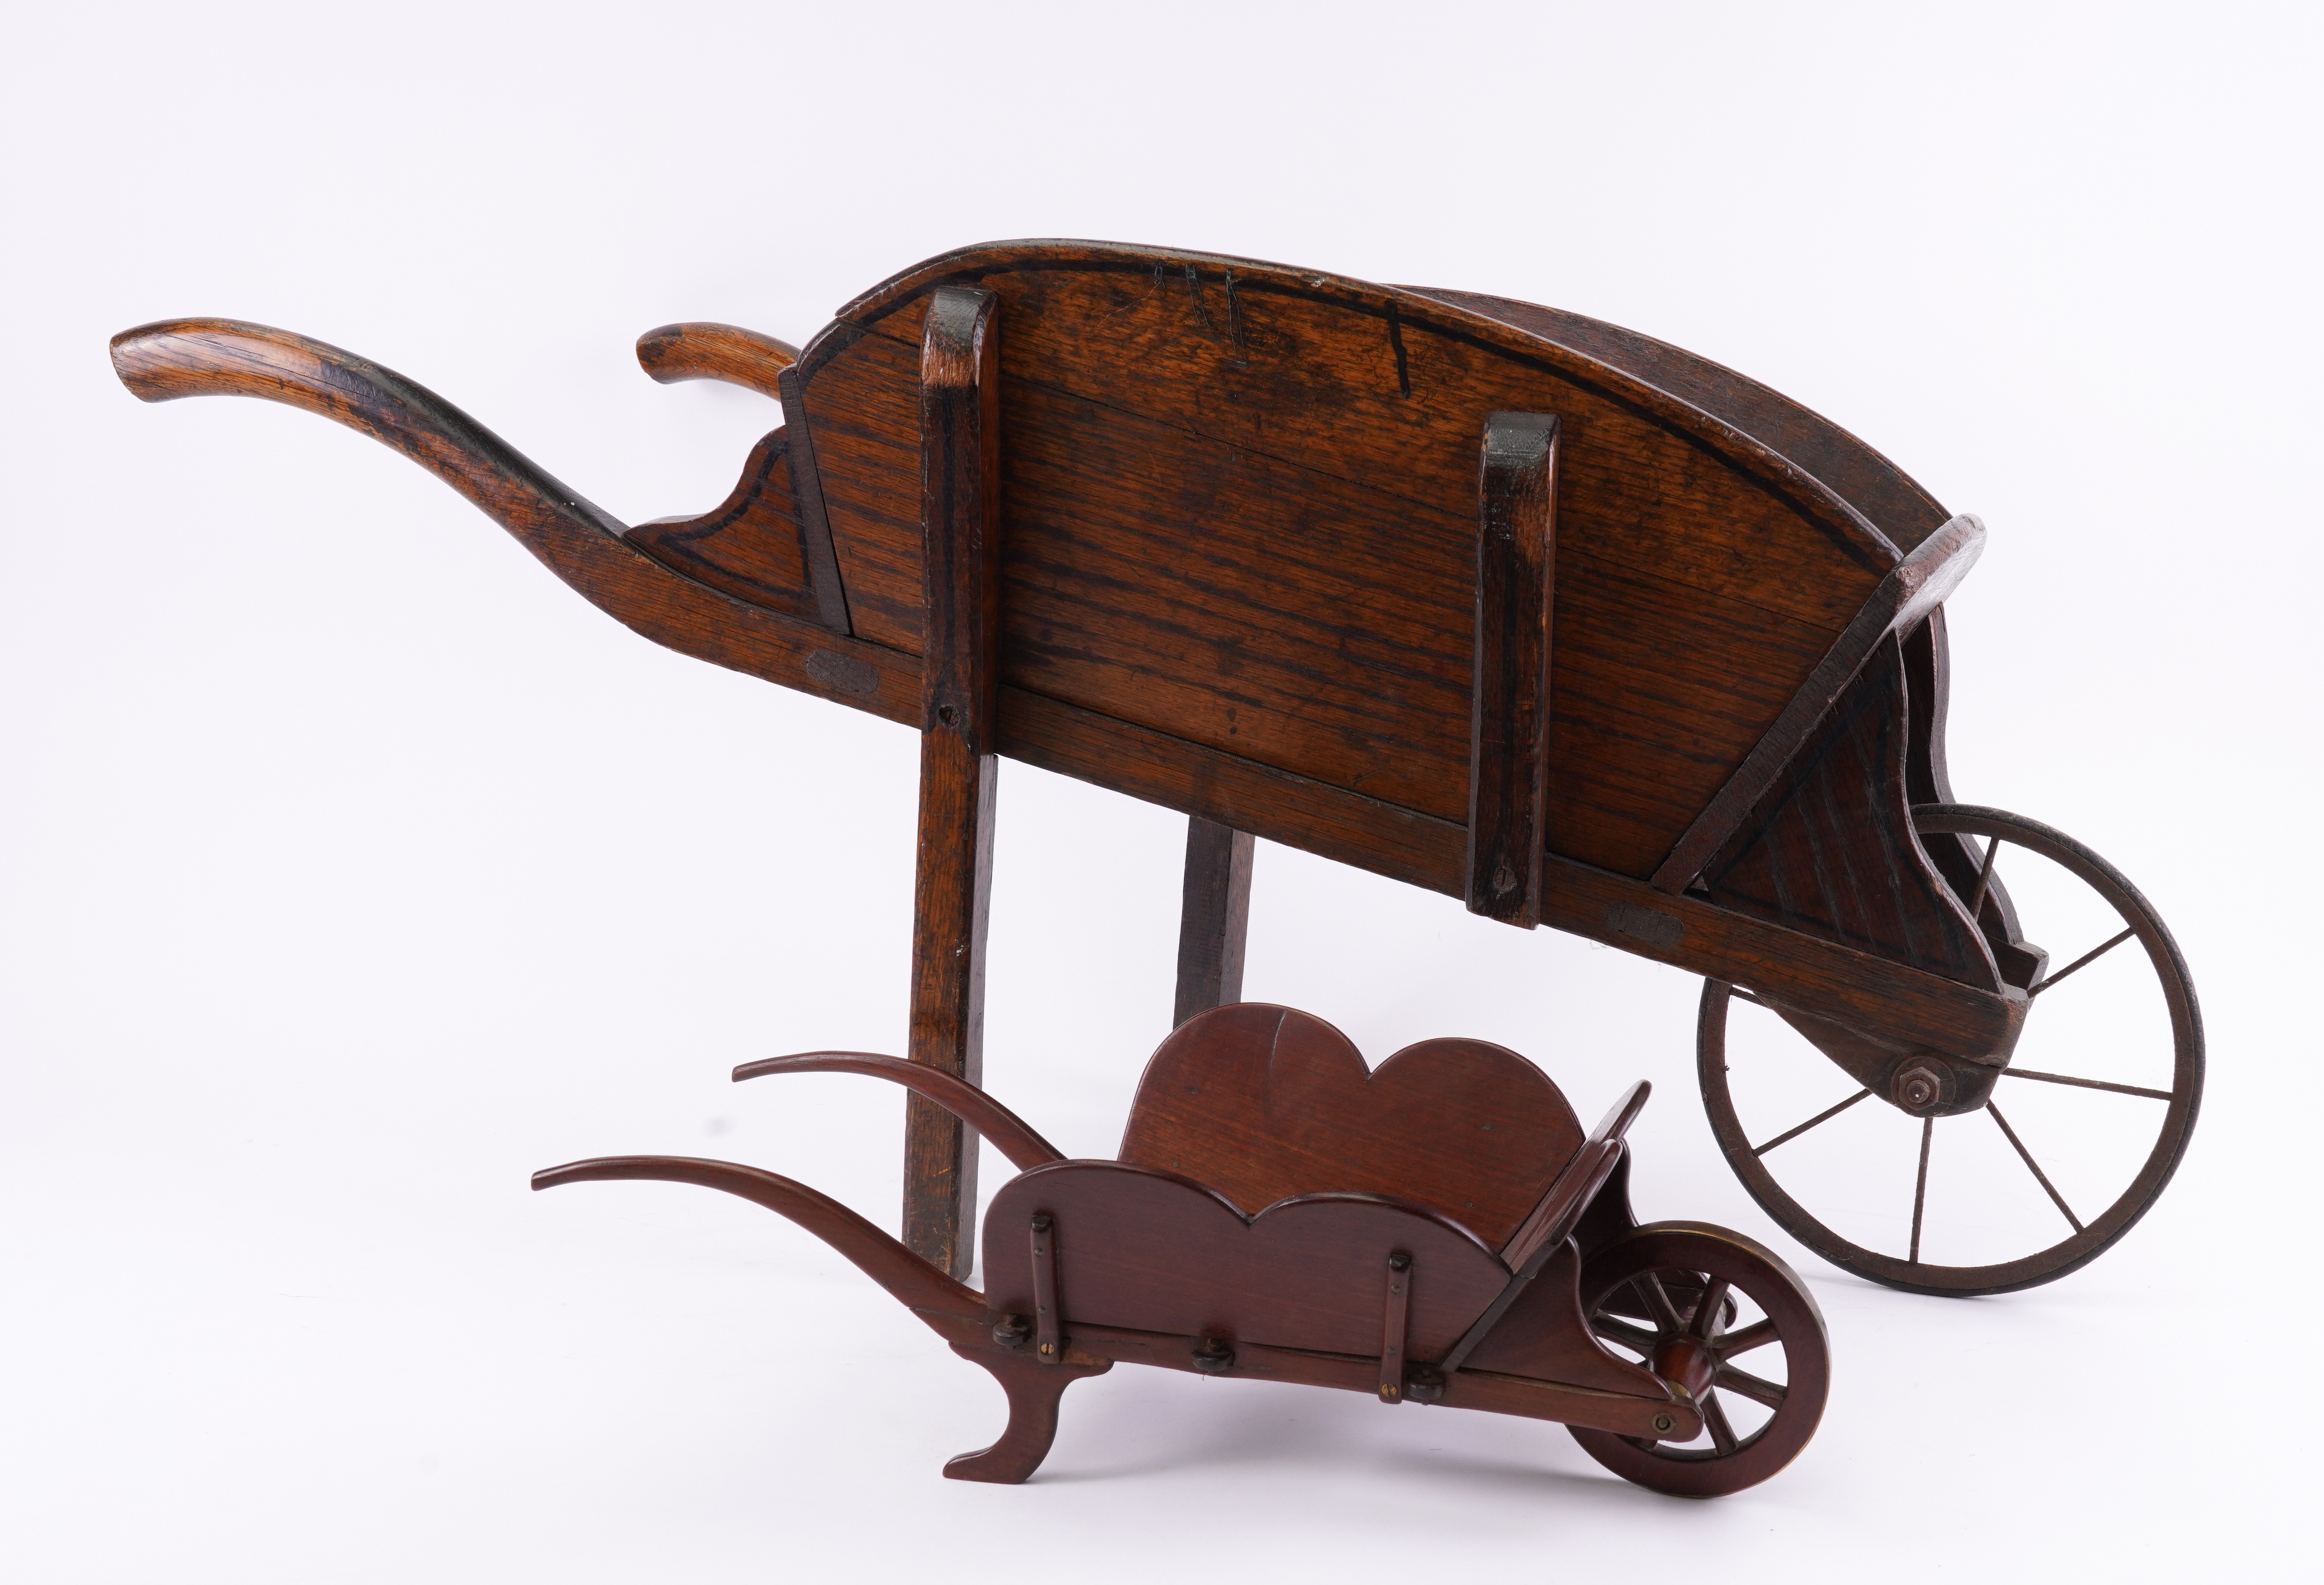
{"type": "Point", "coordinates": [1214, 917]}
{"type": "Point", "coordinates": [1033, 1389]}
{"type": "Point", "coordinates": [960, 524]}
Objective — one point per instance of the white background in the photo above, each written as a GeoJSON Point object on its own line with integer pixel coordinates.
{"type": "Point", "coordinates": [353, 867]}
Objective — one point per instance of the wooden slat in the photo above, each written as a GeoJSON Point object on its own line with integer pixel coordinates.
{"type": "Point", "coordinates": [1213, 918]}
{"type": "Point", "coordinates": [1508, 725]}
{"type": "Point", "coordinates": [1916, 587]}
{"type": "Point", "coordinates": [961, 618]}
{"type": "Point", "coordinates": [830, 589]}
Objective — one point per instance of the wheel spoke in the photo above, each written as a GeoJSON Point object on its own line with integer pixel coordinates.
{"type": "Point", "coordinates": [1714, 1419]}
{"type": "Point", "coordinates": [1983, 878]}
{"type": "Point", "coordinates": [1758, 1334]}
{"type": "Point", "coordinates": [1624, 1333]}
{"type": "Point", "coordinates": [1659, 1305]}
{"type": "Point", "coordinates": [1706, 1314]}
{"type": "Point", "coordinates": [2086, 1083]}
{"type": "Point", "coordinates": [2040, 1177]}
{"type": "Point", "coordinates": [2087, 958]}
{"type": "Point", "coordinates": [1921, 1188]}
{"type": "Point", "coordinates": [1758, 1390]}
{"type": "Point", "coordinates": [1821, 1117]}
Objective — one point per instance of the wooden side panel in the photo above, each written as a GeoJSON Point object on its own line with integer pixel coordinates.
{"type": "Point", "coordinates": [1830, 851]}
{"type": "Point", "coordinates": [752, 547]}
{"type": "Point", "coordinates": [1895, 506]}
{"type": "Point", "coordinates": [1241, 514]}
{"type": "Point", "coordinates": [1543, 1335]}
{"type": "Point", "coordinates": [1263, 1103]}
{"type": "Point", "coordinates": [1655, 698]}
{"type": "Point", "coordinates": [1387, 388]}
{"type": "Point", "coordinates": [1154, 1252]}
{"type": "Point", "coordinates": [861, 399]}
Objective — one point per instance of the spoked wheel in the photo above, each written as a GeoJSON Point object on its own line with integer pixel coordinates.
{"type": "Point", "coordinates": [1709, 1309]}
{"type": "Point", "coordinates": [2084, 1128]}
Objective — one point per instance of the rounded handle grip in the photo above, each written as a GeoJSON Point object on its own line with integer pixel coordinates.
{"type": "Point", "coordinates": [702, 349]}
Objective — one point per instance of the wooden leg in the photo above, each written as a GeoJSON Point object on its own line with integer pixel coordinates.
{"type": "Point", "coordinates": [1033, 1392]}
{"type": "Point", "coordinates": [960, 524]}
{"type": "Point", "coordinates": [1214, 917]}
{"type": "Point", "coordinates": [949, 907]}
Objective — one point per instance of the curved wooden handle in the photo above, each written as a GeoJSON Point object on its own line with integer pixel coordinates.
{"type": "Point", "coordinates": [171, 358]}
{"type": "Point", "coordinates": [702, 349]}
{"type": "Point", "coordinates": [906, 1277]}
{"type": "Point", "coordinates": [1007, 1130]}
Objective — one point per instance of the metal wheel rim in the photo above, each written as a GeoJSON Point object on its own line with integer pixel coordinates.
{"type": "Point", "coordinates": [2069, 1254]}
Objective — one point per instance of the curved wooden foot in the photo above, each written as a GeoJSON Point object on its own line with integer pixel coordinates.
{"type": "Point", "coordinates": [1033, 1389]}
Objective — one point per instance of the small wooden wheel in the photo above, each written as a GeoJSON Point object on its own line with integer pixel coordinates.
{"type": "Point", "coordinates": [1974, 1202]}
{"type": "Point", "coordinates": [1714, 1311]}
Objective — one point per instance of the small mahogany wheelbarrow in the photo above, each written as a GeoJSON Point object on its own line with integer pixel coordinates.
{"type": "Point", "coordinates": [1438, 1231]}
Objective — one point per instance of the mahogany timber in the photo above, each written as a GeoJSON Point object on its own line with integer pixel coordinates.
{"type": "Point", "coordinates": [960, 562]}
{"type": "Point", "coordinates": [1033, 1394]}
{"type": "Point", "coordinates": [702, 349]}
{"type": "Point", "coordinates": [1625, 1414]}
{"type": "Point", "coordinates": [1262, 1102]}
{"type": "Point", "coordinates": [1549, 1227]}
{"type": "Point", "coordinates": [912, 1281]}
{"type": "Point", "coordinates": [1160, 1252]}
{"type": "Point", "coordinates": [1008, 1133]}
{"type": "Point", "coordinates": [1508, 725]}
{"type": "Point", "coordinates": [1542, 1334]}
{"type": "Point", "coordinates": [1213, 918]}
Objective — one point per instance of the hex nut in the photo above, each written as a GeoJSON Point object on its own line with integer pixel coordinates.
{"type": "Point", "coordinates": [1919, 1088]}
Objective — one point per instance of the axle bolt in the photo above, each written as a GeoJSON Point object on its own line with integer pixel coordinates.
{"type": "Point", "coordinates": [1918, 1089]}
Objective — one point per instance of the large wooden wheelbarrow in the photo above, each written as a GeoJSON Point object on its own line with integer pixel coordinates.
{"type": "Point", "coordinates": [1438, 1231]}
{"type": "Point", "coordinates": [1496, 600]}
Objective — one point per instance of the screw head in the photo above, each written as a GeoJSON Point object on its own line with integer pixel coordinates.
{"type": "Point", "coordinates": [1662, 1422]}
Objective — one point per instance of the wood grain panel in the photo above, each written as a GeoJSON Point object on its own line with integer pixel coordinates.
{"type": "Point", "coordinates": [1387, 387]}
{"type": "Point", "coordinates": [1262, 1102]}
{"type": "Point", "coordinates": [1655, 696]}
{"type": "Point", "coordinates": [1831, 851]}
{"type": "Point", "coordinates": [1160, 1253]}
{"type": "Point", "coordinates": [861, 396]}
{"type": "Point", "coordinates": [1894, 503]}
{"type": "Point", "coordinates": [750, 546]}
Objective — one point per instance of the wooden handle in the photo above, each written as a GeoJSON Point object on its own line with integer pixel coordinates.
{"type": "Point", "coordinates": [879, 1257]}
{"type": "Point", "coordinates": [171, 358]}
{"type": "Point", "coordinates": [1007, 1130]}
{"type": "Point", "coordinates": [701, 349]}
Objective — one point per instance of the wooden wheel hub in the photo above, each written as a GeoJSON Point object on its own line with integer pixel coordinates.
{"type": "Point", "coordinates": [1688, 1361]}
